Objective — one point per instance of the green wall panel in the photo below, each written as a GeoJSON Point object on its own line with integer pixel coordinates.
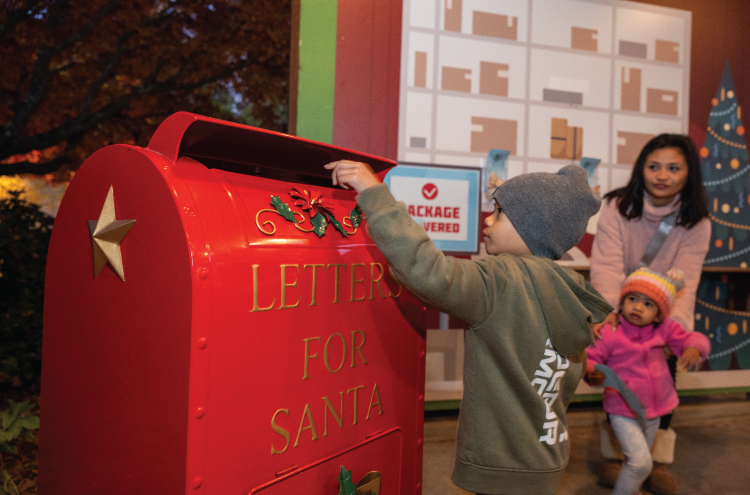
{"type": "Point", "coordinates": [317, 69]}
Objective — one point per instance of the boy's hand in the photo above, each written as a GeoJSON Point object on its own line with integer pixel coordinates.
{"type": "Point", "coordinates": [594, 378]}
{"type": "Point", "coordinates": [690, 359]}
{"type": "Point", "coordinates": [611, 320]}
{"type": "Point", "coordinates": [352, 175]}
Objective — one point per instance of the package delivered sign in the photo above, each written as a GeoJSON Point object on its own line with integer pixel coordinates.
{"type": "Point", "coordinates": [444, 200]}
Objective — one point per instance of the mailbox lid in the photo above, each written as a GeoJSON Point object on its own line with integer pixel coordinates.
{"type": "Point", "coordinates": [251, 150]}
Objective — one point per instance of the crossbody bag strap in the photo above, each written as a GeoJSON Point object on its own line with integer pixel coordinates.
{"type": "Point", "coordinates": [665, 227]}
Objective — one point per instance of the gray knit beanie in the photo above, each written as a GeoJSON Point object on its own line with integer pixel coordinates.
{"type": "Point", "coordinates": [549, 211]}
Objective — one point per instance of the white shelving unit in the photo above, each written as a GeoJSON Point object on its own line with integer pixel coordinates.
{"type": "Point", "coordinates": [550, 80]}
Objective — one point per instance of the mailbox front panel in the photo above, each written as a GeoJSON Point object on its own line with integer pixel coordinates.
{"type": "Point", "coordinates": [309, 350]}
{"type": "Point", "coordinates": [218, 332]}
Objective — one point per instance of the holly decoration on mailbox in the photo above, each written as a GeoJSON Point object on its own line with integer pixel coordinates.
{"type": "Point", "coordinates": [368, 485]}
{"type": "Point", "coordinates": [282, 209]}
{"type": "Point", "coordinates": [316, 210]}
{"type": "Point", "coordinates": [346, 485]}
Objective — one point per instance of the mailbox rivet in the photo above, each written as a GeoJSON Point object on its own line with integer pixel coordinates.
{"type": "Point", "coordinates": [419, 487]}
{"type": "Point", "coordinates": [419, 442]}
{"type": "Point", "coordinates": [203, 273]}
{"type": "Point", "coordinates": [199, 413]}
{"type": "Point", "coordinates": [420, 398]}
{"type": "Point", "coordinates": [202, 342]}
{"type": "Point", "coordinates": [422, 354]}
{"type": "Point", "coordinates": [197, 482]}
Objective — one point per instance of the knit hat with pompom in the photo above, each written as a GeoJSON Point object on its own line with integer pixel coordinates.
{"type": "Point", "coordinates": [662, 288]}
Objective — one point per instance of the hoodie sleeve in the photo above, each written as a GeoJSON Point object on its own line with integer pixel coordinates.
{"type": "Point", "coordinates": [460, 287]}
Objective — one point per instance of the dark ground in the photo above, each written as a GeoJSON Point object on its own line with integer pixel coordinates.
{"type": "Point", "coordinates": [711, 457]}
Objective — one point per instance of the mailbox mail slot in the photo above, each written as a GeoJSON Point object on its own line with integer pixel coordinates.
{"type": "Point", "coordinates": [217, 321]}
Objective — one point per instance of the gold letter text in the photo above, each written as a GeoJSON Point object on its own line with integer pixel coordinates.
{"type": "Point", "coordinates": [281, 431]}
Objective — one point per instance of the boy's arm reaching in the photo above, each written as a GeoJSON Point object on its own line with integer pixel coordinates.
{"type": "Point", "coordinates": [458, 287]}
{"type": "Point", "coordinates": [352, 175]}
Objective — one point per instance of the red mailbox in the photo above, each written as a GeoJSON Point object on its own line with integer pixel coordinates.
{"type": "Point", "coordinates": [217, 321]}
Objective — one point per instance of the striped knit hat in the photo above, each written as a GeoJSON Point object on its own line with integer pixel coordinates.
{"type": "Point", "coordinates": [661, 288]}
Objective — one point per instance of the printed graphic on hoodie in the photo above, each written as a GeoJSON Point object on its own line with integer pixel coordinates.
{"type": "Point", "coordinates": [551, 371]}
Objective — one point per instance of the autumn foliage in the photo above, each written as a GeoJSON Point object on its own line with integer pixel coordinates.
{"type": "Point", "coordinates": [79, 75]}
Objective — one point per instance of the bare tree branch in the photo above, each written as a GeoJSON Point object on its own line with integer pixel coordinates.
{"type": "Point", "coordinates": [106, 73]}
{"type": "Point", "coordinates": [5, 97]}
{"type": "Point", "coordinates": [109, 74]}
{"type": "Point", "coordinates": [86, 30]}
{"type": "Point", "coordinates": [22, 111]}
{"type": "Point", "coordinates": [20, 168]}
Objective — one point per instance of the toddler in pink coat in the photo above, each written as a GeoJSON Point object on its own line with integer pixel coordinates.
{"type": "Point", "coordinates": [634, 351]}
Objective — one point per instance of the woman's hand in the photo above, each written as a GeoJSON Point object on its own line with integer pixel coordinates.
{"type": "Point", "coordinates": [690, 359]}
{"type": "Point", "coordinates": [352, 175]}
{"type": "Point", "coordinates": [611, 319]}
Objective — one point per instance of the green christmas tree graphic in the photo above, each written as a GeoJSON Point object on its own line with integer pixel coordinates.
{"type": "Point", "coordinates": [726, 175]}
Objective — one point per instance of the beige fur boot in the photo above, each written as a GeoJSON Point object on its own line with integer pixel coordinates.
{"type": "Point", "coordinates": [661, 480]}
{"type": "Point", "coordinates": [612, 453]}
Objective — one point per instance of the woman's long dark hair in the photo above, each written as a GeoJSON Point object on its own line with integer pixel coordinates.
{"type": "Point", "coordinates": [693, 206]}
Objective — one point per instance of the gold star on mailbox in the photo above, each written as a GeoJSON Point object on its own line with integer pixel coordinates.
{"type": "Point", "coordinates": [106, 235]}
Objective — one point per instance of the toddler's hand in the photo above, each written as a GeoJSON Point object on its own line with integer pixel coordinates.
{"type": "Point", "coordinates": [594, 378]}
{"type": "Point", "coordinates": [690, 359]}
{"type": "Point", "coordinates": [352, 175]}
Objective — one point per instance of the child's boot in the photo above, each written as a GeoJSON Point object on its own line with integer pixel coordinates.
{"type": "Point", "coordinates": [661, 480]}
{"type": "Point", "coordinates": [612, 453]}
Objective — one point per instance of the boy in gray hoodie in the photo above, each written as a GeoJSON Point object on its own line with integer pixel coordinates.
{"type": "Point", "coordinates": [528, 319]}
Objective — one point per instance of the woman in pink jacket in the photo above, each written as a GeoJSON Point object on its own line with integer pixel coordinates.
{"type": "Point", "coordinates": [666, 180]}
{"type": "Point", "coordinates": [633, 350]}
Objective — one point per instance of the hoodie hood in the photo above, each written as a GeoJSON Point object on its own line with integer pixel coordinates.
{"type": "Point", "coordinates": [566, 302]}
